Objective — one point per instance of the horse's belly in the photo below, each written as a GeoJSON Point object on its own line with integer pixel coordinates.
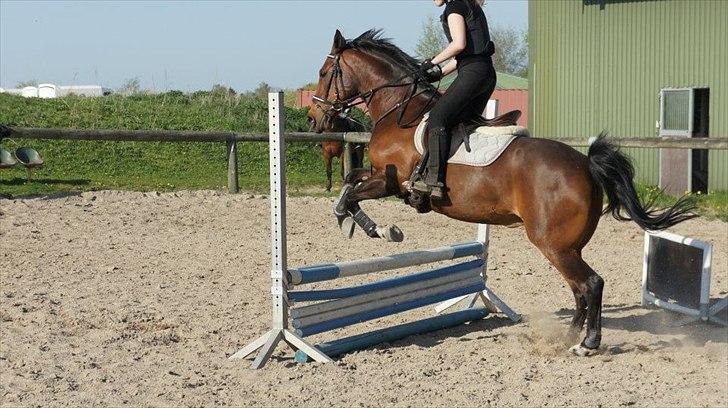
{"type": "Point", "coordinates": [478, 194]}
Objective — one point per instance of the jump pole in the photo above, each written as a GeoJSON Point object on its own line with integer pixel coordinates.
{"type": "Point", "coordinates": [282, 279]}
{"type": "Point", "coordinates": [489, 298]}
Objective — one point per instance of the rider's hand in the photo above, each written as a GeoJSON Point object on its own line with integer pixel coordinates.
{"type": "Point", "coordinates": [426, 65]}
{"type": "Point", "coordinates": [430, 71]}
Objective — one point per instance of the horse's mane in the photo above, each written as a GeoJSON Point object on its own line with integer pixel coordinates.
{"type": "Point", "coordinates": [372, 42]}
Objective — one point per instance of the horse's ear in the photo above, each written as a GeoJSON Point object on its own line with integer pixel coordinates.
{"type": "Point", "coordinates": [339, 42]}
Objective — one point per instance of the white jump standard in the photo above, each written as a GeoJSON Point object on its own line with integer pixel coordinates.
{"type": "Point", "coordinates": [341, 307]}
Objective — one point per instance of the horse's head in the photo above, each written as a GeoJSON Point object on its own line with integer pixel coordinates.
{"type": "Point", "coordinates": [368, 69]}
{"type": "Point", "coordinates": [336, 87]}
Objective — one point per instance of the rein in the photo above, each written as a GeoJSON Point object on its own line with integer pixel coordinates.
{"type": "Point", "coordinates": [341, 107]}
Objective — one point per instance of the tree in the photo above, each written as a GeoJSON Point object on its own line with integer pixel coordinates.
{"type": "Point", "coordinates": [262, 90]}
{"type": "Point", "coordinates": [511, 50]}
{"type": "Point", "coordinates": [511, 46]}
{"type": "Point", "coordinates": [130, 87]}
{"type": "Point", "coordinates": [23, 84]}
{"type": "Point", "coordinates": [432, 40]}
{"type": "Point", "coordinates": [222, 90]}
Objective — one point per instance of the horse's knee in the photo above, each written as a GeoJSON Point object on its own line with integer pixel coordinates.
{"type": "Point", "coordinates": [356, 176]}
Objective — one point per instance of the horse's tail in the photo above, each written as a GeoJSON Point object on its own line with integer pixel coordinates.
{"type": "Point", "coordinates": [613, 171]}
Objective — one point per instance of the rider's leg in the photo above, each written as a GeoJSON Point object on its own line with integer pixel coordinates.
{"type": "Point", "coordinates": [470, 82]}
{"type": "Point", "coordinates": [480, 100]}
{"type": "Point", "coordinates": [439, 147]}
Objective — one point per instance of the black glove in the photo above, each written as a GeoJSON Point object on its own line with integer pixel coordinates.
{"type": "Point", "coordinates": [430, 71]}
{"type": "Point", "coordinates": [426, 65]}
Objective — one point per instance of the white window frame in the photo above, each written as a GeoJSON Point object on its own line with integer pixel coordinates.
{"type": "Point", "coordinates": [672, 132]}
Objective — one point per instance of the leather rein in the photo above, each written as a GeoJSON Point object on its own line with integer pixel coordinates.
{"type": "Point", "coordinates": [341, 107]}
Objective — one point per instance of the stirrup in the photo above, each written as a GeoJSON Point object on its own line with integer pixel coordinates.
{"type": "Point", "coordinates": [437, 192]}
{"type": "Point", "coordinates": [421, 187]}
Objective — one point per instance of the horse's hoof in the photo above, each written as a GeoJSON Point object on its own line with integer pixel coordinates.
{"type": "Point", "coordinates": [390, 233]}
{"type": "Point", "coordinates": [582, 351]}
{"type": "Point", "coordinates": [347, 227]}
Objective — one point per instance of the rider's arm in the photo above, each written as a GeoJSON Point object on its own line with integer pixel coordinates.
{"type": "Point", "coordinates": [457, 31]}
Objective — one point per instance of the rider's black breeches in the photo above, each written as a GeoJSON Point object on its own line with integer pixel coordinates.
{"type": "Point", "coordinates": [466, 97]}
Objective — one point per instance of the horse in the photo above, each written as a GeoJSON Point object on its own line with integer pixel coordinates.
{"type": "Point", "coordinates": [549, 188]}
{"type": "Point", "coordinates": [329, 150]}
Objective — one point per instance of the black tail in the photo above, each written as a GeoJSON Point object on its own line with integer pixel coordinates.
{"type": "Point", "coordinates": [614, 173]}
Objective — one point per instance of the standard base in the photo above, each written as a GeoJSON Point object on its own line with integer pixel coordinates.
{"type": "Point", "coordinates": [268, 342]}
{"type": "Point", "coordinates": [693, 315]}
{"type": "Point", "coordinates": [712, 317]}
{"type": "Point", "coordinates": [489, 298]}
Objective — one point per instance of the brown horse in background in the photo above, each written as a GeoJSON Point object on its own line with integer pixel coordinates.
{"type": "Point", "coordinates": [551, 189]}
{"type": "Point", "coordinates": [336, 149]}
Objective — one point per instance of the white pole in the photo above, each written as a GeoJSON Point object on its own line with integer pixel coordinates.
{"type": "Point", "coordinates": [279, 250]}
{"type": "Point", "coordinates": [279, 245]}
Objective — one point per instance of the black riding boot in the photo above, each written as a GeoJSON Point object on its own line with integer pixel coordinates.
{"type": "Point", "coordinates": [438, 147]}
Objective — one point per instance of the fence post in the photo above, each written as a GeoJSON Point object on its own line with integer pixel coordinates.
{"type": "Point", "coordinates": [348, 158]}
{"type": "Point", "coordinates": [232, 173]}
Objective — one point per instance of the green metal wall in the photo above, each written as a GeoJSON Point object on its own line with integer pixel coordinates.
{"type": "Point", "coordinates": [600, 64]}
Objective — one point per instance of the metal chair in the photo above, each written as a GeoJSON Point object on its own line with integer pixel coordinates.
{"type": "Point", "coordinates": [29, 158]}
{"type": "Point", "coordinates": [6, 159]}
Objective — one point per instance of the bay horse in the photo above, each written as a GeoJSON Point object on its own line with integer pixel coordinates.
{"type": "Point", "coordinates": [551, 189]}
{"type": "Point", "coordinates": [329, 150]}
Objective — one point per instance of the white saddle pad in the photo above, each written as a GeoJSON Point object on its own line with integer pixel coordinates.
{"type": "Point", "coordinates": [486, 144]}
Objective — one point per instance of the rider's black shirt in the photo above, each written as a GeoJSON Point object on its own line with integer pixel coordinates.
{"type": "Point", "coordinates": [478, 46]}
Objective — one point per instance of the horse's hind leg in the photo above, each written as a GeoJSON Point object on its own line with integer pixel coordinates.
{"type": "Point", "coordinates": [588, 288]}
{"type": "Point", "coordinates": [577, 323]}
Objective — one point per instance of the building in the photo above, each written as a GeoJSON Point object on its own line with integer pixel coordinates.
{"type": "Point", "coordinates": [635, 68]}
{"type": "Point", "coordinates": [48, 91]}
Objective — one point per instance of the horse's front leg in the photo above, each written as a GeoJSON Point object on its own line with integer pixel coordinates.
{"type": "Point", "coordinates": [361, 186]}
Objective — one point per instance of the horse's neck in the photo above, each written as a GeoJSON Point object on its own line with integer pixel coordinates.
{"type": "Point", "coordinates": [385, 113]}
{"type": "Point", "coordinates": [382, 105]}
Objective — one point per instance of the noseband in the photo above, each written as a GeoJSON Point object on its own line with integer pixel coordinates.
{"type": "Point", "coordinates": [341, 107]}
{"type": "Point", "coordinates": [338, 106]}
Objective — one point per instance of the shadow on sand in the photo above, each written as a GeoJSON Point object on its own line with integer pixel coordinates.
{"type": "Point", "coordinates": [638, 318]}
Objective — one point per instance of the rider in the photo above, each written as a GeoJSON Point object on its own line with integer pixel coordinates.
{"type": "Point", "coordinates": [466, 29]}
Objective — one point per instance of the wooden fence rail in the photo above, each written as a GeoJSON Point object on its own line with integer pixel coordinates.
{"type": "Point", "coordinates": [231, 139]}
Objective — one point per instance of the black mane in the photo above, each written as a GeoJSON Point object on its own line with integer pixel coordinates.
{"type": "Point", "coordinates": [372, 42]}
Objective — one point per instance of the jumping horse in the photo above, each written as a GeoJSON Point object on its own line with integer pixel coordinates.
{"type": "Point", "coordinates": [551, 189]}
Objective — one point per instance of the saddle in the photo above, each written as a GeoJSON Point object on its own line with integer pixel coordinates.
{"type": "Point", "coordinates": [492, 137]}
{"type": "Point", "coordinates": [460, 133]}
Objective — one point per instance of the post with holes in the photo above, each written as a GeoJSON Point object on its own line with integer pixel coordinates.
{"type": "Point", "coordinates": [279, 281]}
{"type": "Point", "coordinates": [232, 156]}
{"type": "Point", "coordinates": [348, 159]}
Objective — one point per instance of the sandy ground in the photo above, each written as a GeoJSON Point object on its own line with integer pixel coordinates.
{"type": "Point", "coordinates": [123, 298]}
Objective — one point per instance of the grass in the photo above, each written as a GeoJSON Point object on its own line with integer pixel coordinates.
{"type": "Point", "coordinates": [92, 165]}
{"type": "Point", "coordinates": [710, 206]}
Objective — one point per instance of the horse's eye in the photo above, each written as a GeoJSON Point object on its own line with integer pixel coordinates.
{"type": "Point", "coordinates": [322, 74]}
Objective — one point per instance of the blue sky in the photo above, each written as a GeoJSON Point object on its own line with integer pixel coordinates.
{"type": "Point", "coordinates": [193, 45]}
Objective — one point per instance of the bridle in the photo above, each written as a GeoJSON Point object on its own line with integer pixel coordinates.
{"type": "Point", "coordinates": [340, 107]}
